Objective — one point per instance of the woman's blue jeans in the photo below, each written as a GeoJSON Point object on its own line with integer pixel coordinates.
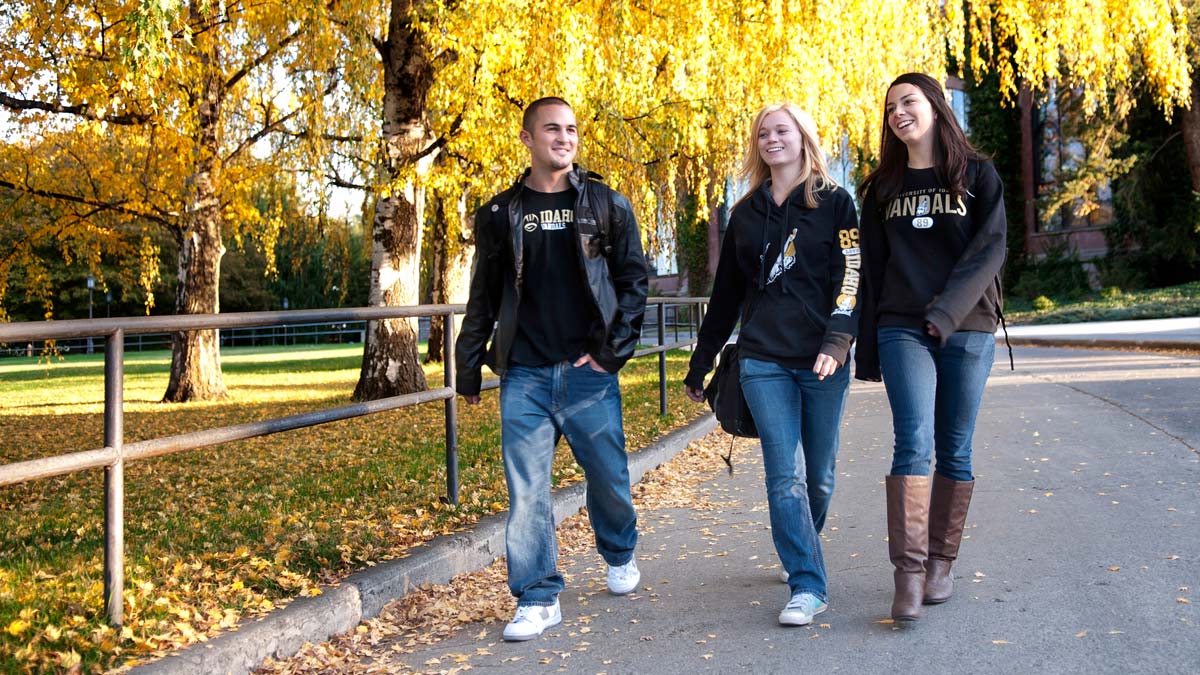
{"type": "Point", "coordinates": [934, 392]}
{"type": "Point", "coordinates": [798, 418]}
{"type": "Point", "coordinates": [539, 405]}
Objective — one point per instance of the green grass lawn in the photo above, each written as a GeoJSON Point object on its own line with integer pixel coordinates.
{"type": "Point", "coordinates": [1113, 305]}
{"type": "Point", "coordinates": [218, 534]}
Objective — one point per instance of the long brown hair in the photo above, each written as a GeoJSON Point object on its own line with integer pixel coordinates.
{"type": "Point", "coordinates": [951, 149]}
{"type": "Point", "coordinates": [812, 158]}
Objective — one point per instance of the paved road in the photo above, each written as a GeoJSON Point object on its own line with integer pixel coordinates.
{"type": "Point", "coordinates": [1083, 551]}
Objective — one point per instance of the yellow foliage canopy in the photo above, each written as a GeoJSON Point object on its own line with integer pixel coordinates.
{"type": "Point", "coordinates": [1096, 45]}
{"type": "Point", "coordinates": [111, 147]}
{"type": "Point", "coordinates": [659, 85]}
{"type": "Point", "coordinates": [663, 89]}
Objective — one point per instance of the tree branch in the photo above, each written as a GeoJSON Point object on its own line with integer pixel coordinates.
{"type": "Point", "coordinates": [337, 181]}
{"type": "Point", "coordinates": [76, 199]}
{"type": "Point", "coordinates": [271, 127]}
{"type": "Point", "coordinates": [441, 141]}
{"type": "Point", "coordinates": [307, 133]}
{"type": "Point", "coordinates": [83, 110]}
{"type": "Point", "coordinates": [262, 58]}
{"type": "Point", "coordinates": [520, 105]}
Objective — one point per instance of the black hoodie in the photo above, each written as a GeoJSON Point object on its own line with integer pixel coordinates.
{"type": "Point", "coordinates": [793, 306]}
{"type": "Point", "coordinates": [932, 258]}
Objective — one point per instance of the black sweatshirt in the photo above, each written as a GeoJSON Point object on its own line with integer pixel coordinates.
{"type": "Point", "coordinates": [794, 306]}
{"type": "Point", "coordinates": [932, 257]}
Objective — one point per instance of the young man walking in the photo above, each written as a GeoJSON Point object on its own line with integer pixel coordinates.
{"type": "Point", "coordinates": [560, 276]}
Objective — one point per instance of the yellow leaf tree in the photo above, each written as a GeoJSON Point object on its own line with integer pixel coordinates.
{"type": "Point", "coordinates": [199, 98]}
{"type": "Point", "coordinates": [434, 91]}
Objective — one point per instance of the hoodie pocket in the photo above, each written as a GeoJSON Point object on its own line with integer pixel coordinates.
{"type": "Point", "coordinates": [816, 320]}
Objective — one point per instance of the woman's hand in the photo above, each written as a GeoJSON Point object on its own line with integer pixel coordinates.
{"type": "Point", "coordinates": [697, 395]}
{"type": "Point", "coordinates": [825, 366]}
{"type": "Point", "coordinates": [932, 330]}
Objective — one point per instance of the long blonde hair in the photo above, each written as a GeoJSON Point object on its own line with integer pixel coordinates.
{"type": "Point", "coordinates": [812, 159]}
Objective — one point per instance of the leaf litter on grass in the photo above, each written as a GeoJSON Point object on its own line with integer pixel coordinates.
{"type": "Point", "coordinates": [219, 535]}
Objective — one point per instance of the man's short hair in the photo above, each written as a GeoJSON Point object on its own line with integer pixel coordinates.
{"type": "Point", "coordinates": [532, 109]}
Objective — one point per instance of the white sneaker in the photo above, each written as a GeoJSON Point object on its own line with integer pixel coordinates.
{"type": "Point", "coordinates": [531, 620]}
{"type": "Point", "coordinates": [801, 609]}
{"type": "Point", "coordinates": [783, 576]}
{"type": "Point", "coordinates": [622, 579]}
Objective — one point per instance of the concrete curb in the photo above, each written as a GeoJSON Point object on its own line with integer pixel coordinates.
{"type": "Point", "coordinates": [1102, 343]}
{"type": "Point", "coordinates": [363, 594]}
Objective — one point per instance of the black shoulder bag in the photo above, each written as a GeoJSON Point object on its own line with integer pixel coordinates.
{"type": "Point", "coordinates": [724, 396]}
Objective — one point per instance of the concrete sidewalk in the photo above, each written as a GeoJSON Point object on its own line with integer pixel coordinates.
{"type": "Point", "coordinates": [360, 597]}
{"type": "Point", "coordinates": [1082, 552]}
{"type": "Point", "coordinates": [1177, 334]}
{"type": "Point", "coordinates": [1181, 334]}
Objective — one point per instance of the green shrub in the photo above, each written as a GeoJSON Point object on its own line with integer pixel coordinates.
{"type": "Point", "coordinates": [1059, 274]}
{"type": "Point", "coordinates": [1111, 292]}
{"type": "Point", "coordinates": [1126, 270]}
{"type": "Point", "coordinates": [1043, 304]}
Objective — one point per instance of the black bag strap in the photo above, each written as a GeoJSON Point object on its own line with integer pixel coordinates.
{"type": "Point", "coordinates": [1003, 326]}
{"type": "Point", "coordinates": [599, 199]}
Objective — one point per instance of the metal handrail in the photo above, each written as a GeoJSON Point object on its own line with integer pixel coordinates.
{"type": "Point", "coordinates": [115, 453]}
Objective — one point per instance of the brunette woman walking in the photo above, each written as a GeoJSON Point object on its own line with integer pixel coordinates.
{"type": "Point", "coordinates": [933, 233]}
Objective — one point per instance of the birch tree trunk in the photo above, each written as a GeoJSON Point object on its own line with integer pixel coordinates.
{"type": "Point", "coordinates": [391, 365]}
{"type": "Point", "coordinates": [196, 355]}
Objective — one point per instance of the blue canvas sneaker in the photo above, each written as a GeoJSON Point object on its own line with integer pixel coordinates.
{"type": "Point", "coordinates": [801, 609]}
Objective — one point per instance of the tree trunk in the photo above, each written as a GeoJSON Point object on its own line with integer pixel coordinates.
{"type": "Point", "coordinates": [1190, 122]}
{"type": "Point", "coordinates": [453, 245]}
{"type": "Point", "coordinates": [195, 355]}
{"type": "Point", "coordinates": [391, 365]}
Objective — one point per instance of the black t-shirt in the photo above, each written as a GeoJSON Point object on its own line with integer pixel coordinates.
{"type": "Point", "coordinates": [555, 312]}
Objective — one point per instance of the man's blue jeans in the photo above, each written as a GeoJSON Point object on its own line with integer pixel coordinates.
{"type": "Point", "coordinates": [798, 418]}
{"type": "Point", "coordinates": [537, 407]}
{"type": "Point", "coordinates": [934, 392]}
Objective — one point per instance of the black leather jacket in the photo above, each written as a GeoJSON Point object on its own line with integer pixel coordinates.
{"type": "Point", "coordinates": [610, 258]}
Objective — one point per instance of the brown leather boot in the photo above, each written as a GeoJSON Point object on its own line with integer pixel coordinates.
{"type": "Point", "coordinates": [908, 542]}
{"type": "Point", "coordinates": [948, 505]}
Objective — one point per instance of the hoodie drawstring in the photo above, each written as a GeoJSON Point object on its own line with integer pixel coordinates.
{"type": "Point", "coordinates": [783, 234]}
{"type": "Point", "coordinates": [764, 247]}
